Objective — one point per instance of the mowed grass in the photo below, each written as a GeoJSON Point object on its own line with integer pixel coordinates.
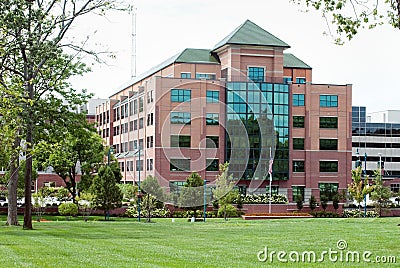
{"type": "Point", "coordinates": [163, 243]}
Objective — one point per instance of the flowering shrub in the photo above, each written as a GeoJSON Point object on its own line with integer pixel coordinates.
{"type": "Point", "coordinates": [358, 214]}
{"type": "Point", "coordinates": [156, 213]}
{"type": "Point", "coordinates": [278, 214]}
{"type": "Point", "coordinates": [263, 199]}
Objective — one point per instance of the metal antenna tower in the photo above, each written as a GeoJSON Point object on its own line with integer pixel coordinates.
{"type": "Point", "coordinates": [133, 55]}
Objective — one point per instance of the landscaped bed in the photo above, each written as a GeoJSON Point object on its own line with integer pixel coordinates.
{"type": "Point", "coordinates": [265, 216]}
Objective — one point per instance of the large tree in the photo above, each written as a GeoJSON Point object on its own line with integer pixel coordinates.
{"type": "Point", "coordinates": [381, 194]}
{"type": "Point", "coordinates": [348, 16]}
{"type": "Point", "coordinates": [153, 195]}
{"type": "Point", "coordinates": [33, 52]}
{"type": "Point", "coordinates": [80, 150]}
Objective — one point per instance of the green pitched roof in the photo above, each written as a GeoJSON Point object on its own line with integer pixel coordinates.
{"type": "Point", "coordinates": [291, 61]}
{"type": "Point", "coordinates": [250, 33]}
{"type": "Point", "coordinates": [191, 55]}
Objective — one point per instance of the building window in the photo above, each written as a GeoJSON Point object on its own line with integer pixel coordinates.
{"type": "Point", "coordinates": [212, 141]}
{"type": "Point", "coordinates": [298, 121]}
{"type": "Point", "coordinates": [212, 96]}
{"type": "Point", "coordinates": [150, 119]}
{"type": "Point", "coordinates": [141, 143]}
{"type": "Point", "coordinates": [141, 123]}
{"type": "Point", "coordinates": [298, 99]}
{"type": "Point", "coordinates": [180, 141]}
{"type": "Point", "coordinates": [186, 75]}
{"type": "Point", "coordinates": [328, 122]}
{"type": "Point", "coordinates": [300, 80]}
{"type": "Point", "coordinates": [395, 187]}
{"type": "Point", "coordinates": [328, 166]}
{"type": "Point", "coordinates": [297, 190]}
{"type": "Point", "coordinates": [274, 190]}
{"type": "Point", "coordinates": [287, 80]}
{"type": "Point", "coordinates": [131, 148]}
{"type": "Point", "coordinates": [328, 144]}
{"type": "Point", "coordinates": [180, 118]}
{"type": "Point", "coordinates": [328, 190]}
{"type": "Point", "coordinates": [180, 95]}
{"type": "Point", "coordinates": [256, 74]}
{"type": "Point", "coordinates": [150, 96]}
{"type": "Point", "coordinates": [149, 164]}
{"type": "Point", "coordinates": [150, 141]}
{"type": "Point", "coordinates": [179, 165]}
{"type": "Point", "coordinates": [298, 166]}
{"type": "Point", "coordinates": [212, 164]}
{"type": "Point", "coordinates": [328, 100]}
{"type": "Point", "coordinates": [298, 143]}
{"type": "Point", "coordinates": [140, 104]}
{"type": "Point", "coordinates": [212, 119]}
{"type": "Point", "coordinates": [135, 125]}
{"type": "Point", "coordinates": [205, 76]}
{"type": "Point", "coordinates": [135, 106]}
{"type": "Point", "coordinates": [139, 165]}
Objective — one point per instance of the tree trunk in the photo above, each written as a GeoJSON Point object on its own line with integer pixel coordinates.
{"type": "Point", "coordinates": [12, 211]}
{"type": "Point", "coordinates": [28, 178]}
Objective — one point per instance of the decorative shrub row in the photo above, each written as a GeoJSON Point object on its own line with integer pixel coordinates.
{"type": "Point", "coordinates": [325, 214]}
{"type": "Point", "coordinates": [262, 199]}
{"type": "Point", "coordinates": [156, 213]}
{"type": "Point", "coordinates": [359, 214]}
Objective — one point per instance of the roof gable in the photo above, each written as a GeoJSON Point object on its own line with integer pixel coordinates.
{"type": "Point", "coordinates": [250, 33]}
{"type": "Point", "coordinates": [291, 61]}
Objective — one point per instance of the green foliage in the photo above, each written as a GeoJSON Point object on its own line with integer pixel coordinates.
{"type": "Point", "coordinates": [105, 188]}
{"type": "Point", "coordinates": [62, 194]}
{"type": "Point", "coordinates": [192, 194]}
{"type": "Point", "coordinates": [227, 211]}
{"type": "Point", "coordinates": [335, 201]}
{"type": "Point", "coordinates": [348, 17]}
{"type": "Point", "coordinates": [223, 190]}
{"type": "Point", "coordinates": [299, 202]}
{"type": "Point", "coordinates": [359, 188]}
{"type": "Point", "coordinates": [325, 214]}
{"type": "Point", "coordinates": [358, 214]}
{"type": "Point", "coordinates": [132, 211]}
{"type": "Point", "coordinates": [68, 209]}
{"type": "Point", "coordinates": [261, 199]}
{"type": "Point", "coordinates": [381, 194]}
{"type": "Point", "coordinates": [86, 204]}
{"type": "Point", "coordinates": [154, 195]}
{"type": "Point", "coordinates": [324, 202]}
{"type": "Point", "coordinates": [128, 191]}
{"type": "Point", "coordinates": [313, 202]}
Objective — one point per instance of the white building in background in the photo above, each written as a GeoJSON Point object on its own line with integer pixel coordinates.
{"type": "Point", "coordinates": [376, 138]}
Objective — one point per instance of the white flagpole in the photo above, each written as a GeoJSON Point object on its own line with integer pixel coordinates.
{"type": "Point", "coordinates": [270, 180]}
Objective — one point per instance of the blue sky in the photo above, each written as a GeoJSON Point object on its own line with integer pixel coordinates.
{"type": "Point", "coordinates": [370, 61]}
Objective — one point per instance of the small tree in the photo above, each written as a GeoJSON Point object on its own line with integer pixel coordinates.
{"type": "Point", "coordinates": [86, 204]}
{"type": "Point", "coordinates": [192, 194]}
{"type": "Point", "coordinates": [299, 202]}
{"type": "Point", "coordinates": [324, 202]}
{"type": "Point", "coordinates": [223, 188]}
{"type": "Point", "coordinates": [359, 189]}
{"type": "Point", "coordinates": [154, 193]}
{"type": "Point", "coordinates": [313, 203]}
{"type": "Point", "coordinates": [108, 194]}
{"type": "Point", "coordinates": [68, 209]}
{"type": "Point", "coordinates": [381, 194]}
{"type": "Point", "coordinates": [335, 201]}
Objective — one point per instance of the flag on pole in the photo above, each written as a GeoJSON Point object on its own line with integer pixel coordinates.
{"type": "Point", "coordinates": [271, 162]}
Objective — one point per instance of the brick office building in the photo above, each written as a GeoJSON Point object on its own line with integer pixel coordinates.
{"type": "Point", "coordinates": [233, 103]}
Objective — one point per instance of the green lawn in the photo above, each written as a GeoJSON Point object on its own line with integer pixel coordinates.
{"type": "Point", "coordinates": [163, 243]}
